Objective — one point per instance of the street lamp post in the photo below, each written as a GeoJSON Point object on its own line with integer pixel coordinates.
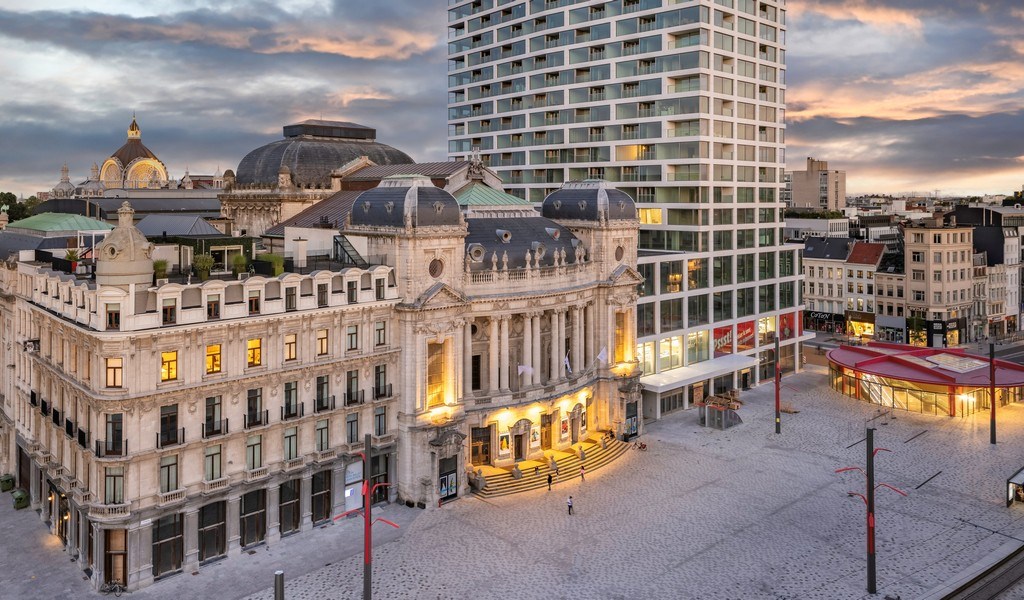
{"type": "Point", "coordinates": [368, 521]}
{"type": "Point", "coordinates": [778, 384]}
{"type": "Point", "coordinates": [992, 390]}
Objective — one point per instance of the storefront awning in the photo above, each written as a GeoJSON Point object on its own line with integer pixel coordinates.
{"type": "Point", "coordinates": [675, 378]}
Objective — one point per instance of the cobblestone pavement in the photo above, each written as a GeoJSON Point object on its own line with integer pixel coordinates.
{"type": "Point", "coordinates": [703, 514]}
{"type": "Point", "coordinates": [740, 514]}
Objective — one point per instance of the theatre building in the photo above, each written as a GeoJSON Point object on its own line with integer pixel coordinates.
{"type": "Point", "coordinates": [935, 381]}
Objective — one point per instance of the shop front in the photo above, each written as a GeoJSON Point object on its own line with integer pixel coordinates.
{"type": "Point", "coordinates": [860, 324]}
{"type": "Point", "coordinates": [825, 322]}
{"type": "Point", "coordinates": [943, 334]}
{"type": "Point", "coordinates": [891, 329]}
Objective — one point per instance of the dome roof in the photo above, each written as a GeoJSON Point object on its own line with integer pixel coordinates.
{"type": "Point", "coordinates": [133, 149]}
{"type": "Point", "coordinates": [589, 200]}
{"type": "Point", "coordinates": [490, 238]}
{"type": "Point", "coordinates": [311, 150]}
{"type": "Point", "coordinates": [403, 198]}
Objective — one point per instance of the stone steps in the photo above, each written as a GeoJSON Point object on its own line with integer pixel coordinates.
{"type": "Point", "coordinates": [568, 468]}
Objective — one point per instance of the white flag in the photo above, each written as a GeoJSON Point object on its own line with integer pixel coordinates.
{"type": "Point", "coordinates": [525, 369]}
{"type": "Point", "coordinates": [568, 369]}
{"type": "Point", "coordinates": [603, 355]}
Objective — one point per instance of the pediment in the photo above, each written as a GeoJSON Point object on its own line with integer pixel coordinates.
{"type": "Point", "coordinates": [625, 274]}
{"type": "Point", "coordinates": [439, 295]}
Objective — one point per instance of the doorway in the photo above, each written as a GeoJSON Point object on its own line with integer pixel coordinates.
{"type": "Point", "coordinates": [545, 432]}
{"type": "Point", "coordinates": [575, 417]}
{"type": "Point", "coordinates": [480, 448]}
{"type": "Point", "coordinates": [745, 379]}
{"type": "Point", "coordinates": [519, 446]}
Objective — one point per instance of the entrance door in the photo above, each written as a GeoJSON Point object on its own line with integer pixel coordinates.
{"type": "Point", "coordinates": [936, 340]}
{"type": "Point", "coordinates": [520, 446]}
{"type": "Point", "coordinates": [574, 426]}
{"type": "Point", "coordinates": [545, 432]}
{"type": "Point", "coordinates": [745, 379]}
{"type": "Point", "coordinates": [62, 516]}
{"type": "Point", "coordinates": [480, 449]}
{"type": "Point", "coordinates": [448, 483]}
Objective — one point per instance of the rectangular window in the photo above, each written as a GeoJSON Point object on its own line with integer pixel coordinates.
{"type": "Point", "coordinates": [290, 410]}
{"type": "Point", "coordinates": [350, 289]}
{"type": "Point", "coordinates": [289, 299]}
{"type": "Point", "coordinates": [213, 306]}
{"type": "Point", "coordinates": [380, 421]}
{"type": "Point", "coordinates": [379, 287]}
{"type": "Point", "coordinates": [288, 510]}
{"type": "Point", "coordinates": [114, 485]}
{"type": "Point", "coordinates": [291, 443]}
{"type": "Point", "coordinates": [380, 381]}
{"type": "Point", "coordinates": [352, 428]}
{"type": "Point", "coordinates": [211, 470]}
{"type": "Point", "coordinates": [323, 435]}
{"type": "Point", "coordinates": [435, 374]}
{"type": "Point", "coordinates": [253, 352]}
{"type": "Point", "coordinates": [169, 311]}
{"type": "Point", "coordinates": [322, 342]}
{"type": "Point", "coordinates": [214, 423]}
{"type": "Point", "coordinates": [290, 346]}
{"type": "Point", "coordinates": [254, 407]}
{"type": "Point", "coordinates": [254, 452]}
{"type": "Point", "coordinates": [323, 389]}
{"type": "Point", "coordinates": [168, 543]}
{"type": "Point", "coordinates": [168, 473]}
{"type": "Point", "coordinates": [113, 316]}
{"type": "Point", "coordinates": [212, 530]}
{"type": "Point", "coordinates": [169, 426]}
{"type": "Point", "coordinates": [352, 342]}
{"type": "Point", "coordinates": [114, 372]}
{"type": "Point", "coordinates": [620, 337]}
{"type": "Point", "coordinates": [321, 295]}
{"type": "Point", "coordinates": [168, 366]}
{"type": "Point", "coordinates": [253, 518]}
{"type": "Point", "coordinates": [380, 334]}
{"type": "Point", "coordinates": [254, 302]}
{"type": "Point", "coordinates": [477, 366]}
{"type": "Point", "coordinates": [321, 496]}
{"type": "Point", "coordinates": [213, 359]}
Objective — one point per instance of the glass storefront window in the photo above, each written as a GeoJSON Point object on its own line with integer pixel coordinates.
{"type": "Point", "coordinates": [670, 353]}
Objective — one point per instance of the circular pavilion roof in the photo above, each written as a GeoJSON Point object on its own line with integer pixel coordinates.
{"type": "Point", "coordinates": [935, 366]}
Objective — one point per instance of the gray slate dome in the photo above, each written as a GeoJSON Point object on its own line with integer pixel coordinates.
{"type": "Point", "coordinates": [490, 236]}
{"type": "Point", "coordinates": [587, 201]}
{"type": "Point", "coordinates": [312, 149]}
{"type": "Point", "coordinates": [402, 196]}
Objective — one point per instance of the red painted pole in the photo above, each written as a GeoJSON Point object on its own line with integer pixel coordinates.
{"type": "Point", "coordinates": [870, 501]}
{"type": "Point", "coordinates": [367, 544]}
{"type": "Point", "coordinates": [992, 390]}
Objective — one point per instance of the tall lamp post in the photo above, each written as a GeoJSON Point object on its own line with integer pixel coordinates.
{"type": "Point", "coordinates": [368, 521]}
{"type": "Point", "coordinates": [869, 500]}
{"type": "Point", "coordinates": [992, 390]}
{"type": "Point", "coordinates": [778, 382]}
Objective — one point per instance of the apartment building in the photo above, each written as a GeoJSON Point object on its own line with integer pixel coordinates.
{"type": "Point", "coordinates": [816, 188]}
{"type": "Point", "coordinates": [825, 283]}
{"type": "Point", "coordinates": [682, 105]}
{"type": "Point", "coordinates": [861, 267]}
{"type": "Point", "coordinates": [939, 262]}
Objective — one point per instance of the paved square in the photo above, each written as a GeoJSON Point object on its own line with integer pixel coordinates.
{"type": "Point", "coordinates": [704, 514]}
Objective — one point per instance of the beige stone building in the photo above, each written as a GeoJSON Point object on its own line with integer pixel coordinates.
{"type": "Point", "coordinates": [817, 188]}
{"type": "Point", "coordinates": [157, 427]}
{"type": "Point", "coordinates": [938, 261]}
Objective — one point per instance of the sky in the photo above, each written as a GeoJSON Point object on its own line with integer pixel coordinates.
{"type": "Point", "coordinates": [904, 95]}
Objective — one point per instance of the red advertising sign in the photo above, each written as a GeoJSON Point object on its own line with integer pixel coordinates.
{"type": "Point", "coordinates": [723, 341]}
{"type": "Point", "coordinates": [787, 326]}
{"type": "Point", "coordinates": [745, 333]}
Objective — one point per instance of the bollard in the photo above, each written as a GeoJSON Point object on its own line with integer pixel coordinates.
{"type": "Point", "coordinates": [278, 585]}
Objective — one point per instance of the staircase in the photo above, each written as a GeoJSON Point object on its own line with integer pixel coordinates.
{"type": "Point", "coordinates": [504, 483]}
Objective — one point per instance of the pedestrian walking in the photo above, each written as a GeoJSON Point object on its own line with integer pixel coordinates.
{"type": "Point", "coordinates": [549, 481]}
{"type": "Point", "coordinates": [536, 471]}
{"type": "Point", "coordinates": [569, 502]}
{"type": "Point", "coordinates": [583, 473]}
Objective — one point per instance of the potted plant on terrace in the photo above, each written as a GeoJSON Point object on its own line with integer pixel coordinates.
{"type": "Point", "coordinates": [202, 263]}
{"type": "Point", "coordinates": [71, 255]}
{"type": "Point", "coordinates": [238, 264]}
{"type": "Point", "coordinates": [160, 268]}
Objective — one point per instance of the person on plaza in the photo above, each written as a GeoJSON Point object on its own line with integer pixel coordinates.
{"type": "Point", "coordinates": [569, 502]}
{"type": "Point", "coordinates": [549, 481]}
{"type": "Point", "coordinates": [536, 471]}
{"type": "Point", "coordinates": [583, 472]}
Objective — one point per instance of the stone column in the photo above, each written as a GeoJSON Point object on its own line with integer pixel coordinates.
{"type": "Point", "coordinates": [467, 358]}
{"type": "Point", "coordinates": [140, 556]}
{"type": "Point", "coordinates": [33, 476]}
{"type": "Point", "coordinates": [535, 325]}
{"type": "Point", "coordinates": [99, 539]}
{"type": "Point", "coordinates": [527, 378]}
{"type": "Point", "coordinates": [492, 358]}
{"type": "Point", "coordinates": [553, 345]}
{"type": "Point", "coordinates": [273, 505]}
{"type": "Point", "coordinates": [234, 534]}
{"type": "Point", "coordinates": [72, 530]}
{"type": "Point", "coordinates": [191, 542]}
{"type": "Point", "coordinates": [561, 343]}
{"type": "Point", "coordinates": [577, 340]}
{"type": "Point", "coordinates": [338, 487]}
{"type": "Point", "coordinates": [306, 502]}
{"type": "Point", "coordinates": [591, 352]}
{"type": "Point", "coordinates": [503, 360]}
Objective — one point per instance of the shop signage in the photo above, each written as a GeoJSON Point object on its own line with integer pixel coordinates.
{"type": "Point", "coordinates": [786, 325]}
{"type": "Point", "coordinates": [745, 335]}
{"type": "Point", "coordinates": [824, 316]}
{"type": "Point", "coordinates": [723, 341]}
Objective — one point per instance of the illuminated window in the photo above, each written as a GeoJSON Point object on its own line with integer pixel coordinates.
{"type": "Point", "coordinates": [650, 216]}
{"type": "Point", "coordinates": [254, 354]}
{"type": "Point", "coordinates": [213, 359]}
{"type": "Point", "coordinates": [169, 365]}
{"type": "Point", "coordinates": [435, 374]}
{"type": "Point", "coordinates": [321, 342]}
{"type": "Point", "coordinates": [114, 372]}
{"type": "Point", "coordinates": [290, 346]}
{"type": "Point", "coordinates": [620, 337]}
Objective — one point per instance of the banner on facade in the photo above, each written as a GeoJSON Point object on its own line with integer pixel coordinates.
{"type": "Point", "coordinates": [723, 341]}
{"type": "Point", "coordinates": [745, 332]}
{"type": "Point", "coordinates": [787, 326]}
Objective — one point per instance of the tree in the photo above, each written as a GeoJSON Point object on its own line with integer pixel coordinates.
{"type": "Point", "coordinates": [18, 209]}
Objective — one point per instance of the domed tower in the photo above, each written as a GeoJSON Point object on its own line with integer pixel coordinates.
{"type": "Point", "coordinates": [133, 165]}
{"type": "Point", "coordinates": [416, 225]}
{"type": "Point", "coordinates": [125, 257]}
{"type": "Point", "coordinates": [64, 189]}
{"type": "Point", "coordinates": [94, 187]}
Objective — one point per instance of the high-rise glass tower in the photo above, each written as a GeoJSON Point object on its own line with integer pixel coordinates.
{"type": "Point", "coordinates": [679, 103]}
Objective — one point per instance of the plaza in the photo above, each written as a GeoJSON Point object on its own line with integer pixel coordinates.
{"type": "Point", "coordinates": [741, 513]}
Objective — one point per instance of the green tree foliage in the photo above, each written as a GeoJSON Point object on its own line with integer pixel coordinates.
{"type": "Point", "coordinates": [18, 209]}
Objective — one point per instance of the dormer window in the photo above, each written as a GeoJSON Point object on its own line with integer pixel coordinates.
{"type": "Point", "coordinates": [169, 311]}
{"type": "Point", "coordinates": [213, 306]}
{"type": "Point", "coordinates": [254, 302]}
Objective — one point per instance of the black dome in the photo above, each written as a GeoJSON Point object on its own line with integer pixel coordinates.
{"type": "Point", "coordinates": [311, 152]}
{"type": "Point", "coordinates": [587, 201]}
{"type": "Point", "coordinates": [397, 197]}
